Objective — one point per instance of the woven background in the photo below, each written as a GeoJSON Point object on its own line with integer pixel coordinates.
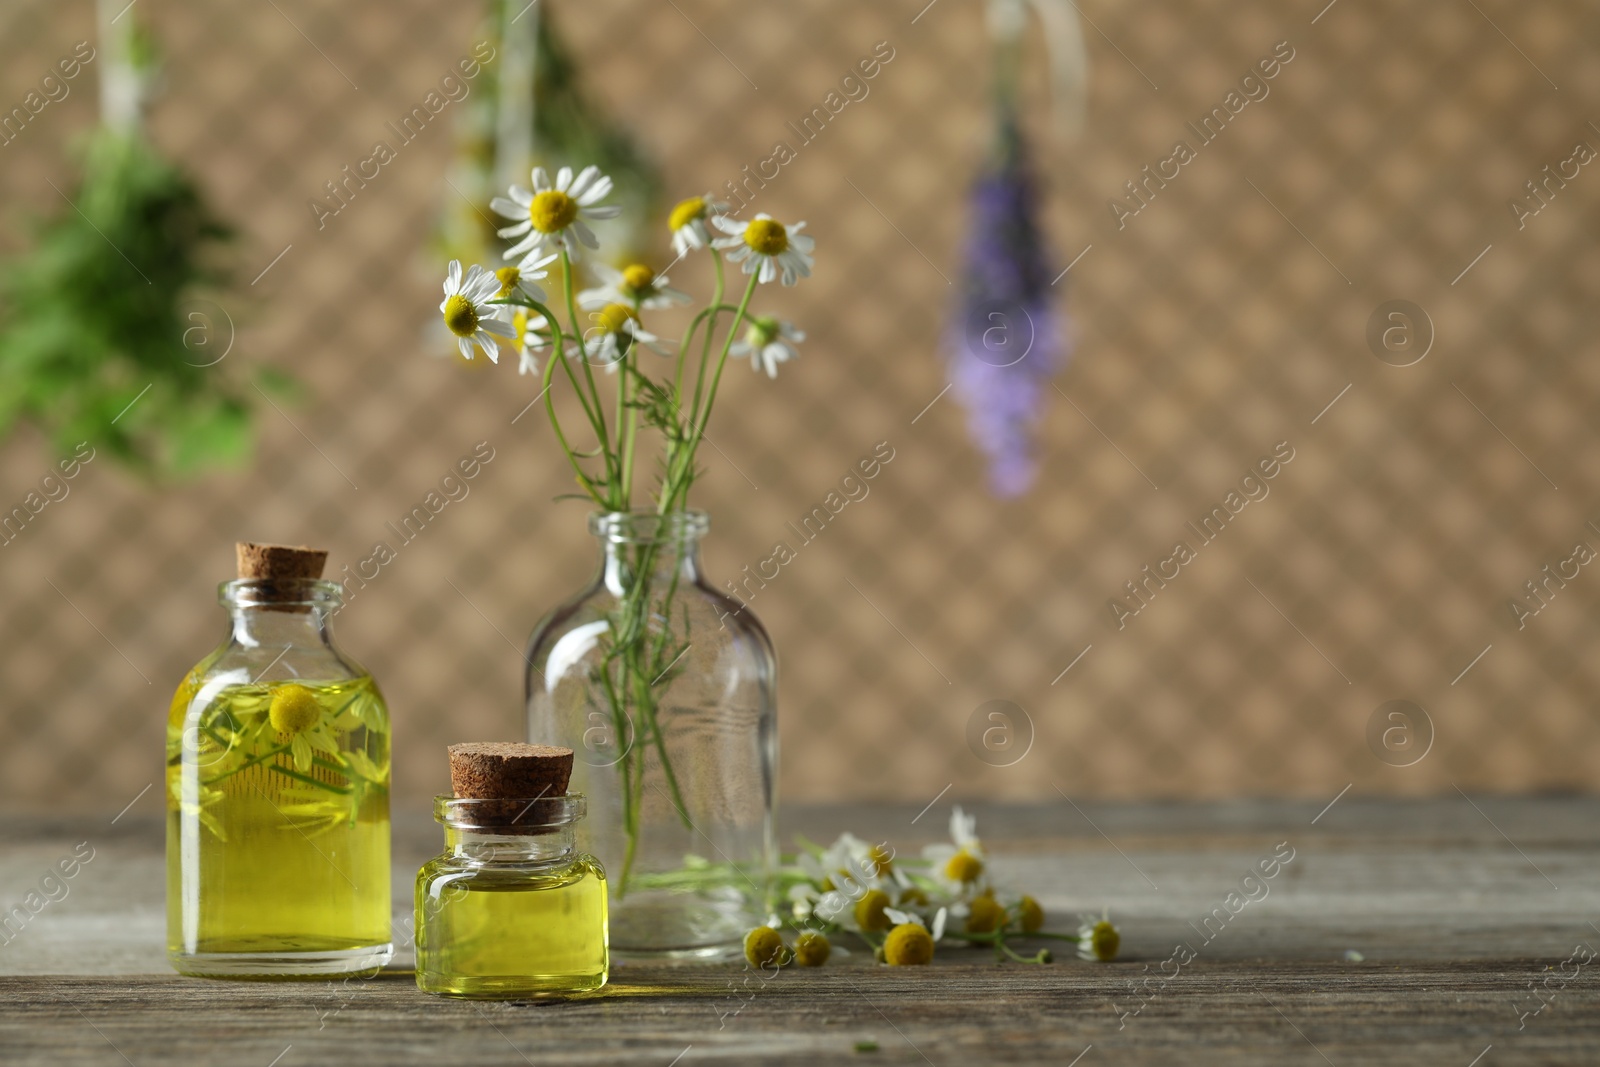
{"type": "Point", "coordinates": [1222, 320]}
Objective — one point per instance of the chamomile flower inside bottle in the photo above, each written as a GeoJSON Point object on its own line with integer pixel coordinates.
{"type": "Point", "coordinates": [278, 788]}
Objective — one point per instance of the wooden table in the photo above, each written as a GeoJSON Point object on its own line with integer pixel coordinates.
{"type": "Point", "coordinates": [1400, 932]}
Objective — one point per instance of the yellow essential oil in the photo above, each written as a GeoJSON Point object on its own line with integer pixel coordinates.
{"type": "Point", "coordinates": [277, 813]}
{"type": "Point", "coordinates": [506, 915]}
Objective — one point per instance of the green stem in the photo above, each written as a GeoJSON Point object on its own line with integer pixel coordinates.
{"type": "Point", "coordinates": [306, 778]}
{"type": "Point", "coordinates": [599, 417]}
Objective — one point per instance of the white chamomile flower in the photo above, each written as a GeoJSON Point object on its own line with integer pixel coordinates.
{"type": "Point", "coordinates": [615, 331]}
{"type": "Point", "coordinates": [900, 918]}
{"type": "Point", "coordinates": [518, 280]}
{"type": "Point", "coordinates": [636, 285]}
{"type": "Point", "coordinates": [552, 214]}
{"type": "Point", "coordinates": [688, 223]}
{"type": "Point", "coordinates": [531, 335]}
{"type": "Point", "coordinates": [768, 342]}
{"type": "Point", "coordinates": [468, 313]}
{"type": "Point", "coordinates": [958, 867]}
{"type": "Point", "coordinates": [1098, 939]}
{"type": "Point", "coordinates": [766, 245]}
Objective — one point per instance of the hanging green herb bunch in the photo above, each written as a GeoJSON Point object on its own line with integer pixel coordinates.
{"type": "Point", "coordinates": [110, 332]}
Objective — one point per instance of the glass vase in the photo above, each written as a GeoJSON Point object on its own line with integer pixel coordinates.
{"type": "Point", "coordinates": [665, 690]}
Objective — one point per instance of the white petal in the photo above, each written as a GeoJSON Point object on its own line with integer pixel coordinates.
{"type": "Point", "coordinates": [803, 243]}
{"type": "Point", "coordinates": [453, 278]}
{"type": "Point", "coordinates": [541, 182]}
{"type": "Point", "coordinates": [465, 345]}
{"type": "Point", "coordinates": [604, 211]}
{"type": "Point", "coordinates": [594, 299]}
{"type": "Point", "coordinates": [532, 266]}
{"type": "Point", "coordinates": [526, 245]}
{"type": "Point", "coordinates": [587, 175]}
{"type": "Point", "coordinates": [564, 178]}
{"type": "Point", "coordinates": [585, 234]}
{"type": "Point", "coordinates": [599, 191]}
{"type": "Point", "coordinates": [728, 224]}
{"type": "Point", "coordinates": [488, 345]}
{"type": "Point", "coordinates": [938, 924]}
{"type": "Point", "coordinates": [496, 326]}
{"type": "Point", "coordinates": [509, 208]}
{"type": "Point", "coordinates": [769, 269]}
{"type": "Point", "coordinates": [522, 196]}
{"type": "Point", "coordinates": [515, 231]}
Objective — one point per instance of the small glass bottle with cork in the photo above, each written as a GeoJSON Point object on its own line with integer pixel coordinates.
{"type": "Point", "coordinates": [511, 909]}
{"type": "Point", "coordinates": [278, 788]}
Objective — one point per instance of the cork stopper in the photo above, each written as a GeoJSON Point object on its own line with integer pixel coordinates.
{"type": "Point", "coordinates": [528, 779]}
{"type": "Point", "coordinates": [496, 770]}
{"type": "Point", "coordinates": [290, 565]}
{"type": "Point", "coordinates": [266, 562]}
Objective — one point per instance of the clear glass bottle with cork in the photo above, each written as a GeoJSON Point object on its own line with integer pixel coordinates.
{"type": "Point", "coordinates": [278, 788]}
{"type": "Point", "coordinates": [511, 909]}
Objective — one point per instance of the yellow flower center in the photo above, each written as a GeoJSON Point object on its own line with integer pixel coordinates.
{"type": "Point", "coordinates": [1032, 915]}
{"type": "Point", "coordinates": [613, 317]}
{"type": "Point", "coordinates": [763, 947]}
{"type": "Point", "coordinates": [294, 709]}
{"type": "Point", "coordinates": [869, 911]}
{"type": "Point", "coordinates": [767, 236]}
{"type": "Point", "coordinates": [519, 325]}
{"type": "Point", "coordinates": [687, 211]}
{"type": "Point", "coordinates": [811, 949]}
{"type": "Point", "coordinates": [1105, 941]}
{"type": "Point", "coordinates": [913, 895]}
{"type": "Point", "coordinates": [461, 316]}
{"type": "Point", "coordinates": [908, 945]}
{"type": "Point", "coordinates": [963, 867]}
{"type": "Point", "coordinates": [509, 277]}
{"type": "Point", "coordinates": [637, 279]}
{"type": "Point", "coordinates": [882, 859]}
{"type": "Point", "coordinates": [984, 916]}
{"type": "Point", "coordinates": [552, 211]}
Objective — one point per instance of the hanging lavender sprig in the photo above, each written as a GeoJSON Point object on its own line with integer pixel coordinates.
{"type": "Point", "coordinates": [1008, 340]}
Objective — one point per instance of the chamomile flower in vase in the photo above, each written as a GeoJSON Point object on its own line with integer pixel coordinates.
{"type": "Point", "coordinates": [662, 684]}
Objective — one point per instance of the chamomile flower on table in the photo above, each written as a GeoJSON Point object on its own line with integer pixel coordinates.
{"type": "Point", "coordinates": [552, 215]}
{"type": "Point", "coordinates": [910, 942]}
{"type": "Point", "coordinates": [1098, 939]}
{"type": "Point", "coordinates": [767, 248]}
{"type": "Point", "coordinates": [768, 342]}
{"type": "Point", "coordinates": [468, 313]}
{"type": "Point", "coordinates": [959, 867]}
{"type": "Point", "coordinates": [688, 223]}
{"type": "Point", "coordinates": [635, 285]}
{"type": "Point", "coordinates": [615, 332]}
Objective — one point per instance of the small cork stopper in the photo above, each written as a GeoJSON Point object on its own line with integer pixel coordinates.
{"type": "Point", "coordinates": [266, 562]}
{"type": "Point", "coordinates": [509, 770]}
{"type": "Point", "coordinates": [289, 564]}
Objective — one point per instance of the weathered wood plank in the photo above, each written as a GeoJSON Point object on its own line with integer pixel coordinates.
{"type": "Point", "coordinates": [1235, 1012]}
{"type": "Point", "coordinates": [1455, 909]}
